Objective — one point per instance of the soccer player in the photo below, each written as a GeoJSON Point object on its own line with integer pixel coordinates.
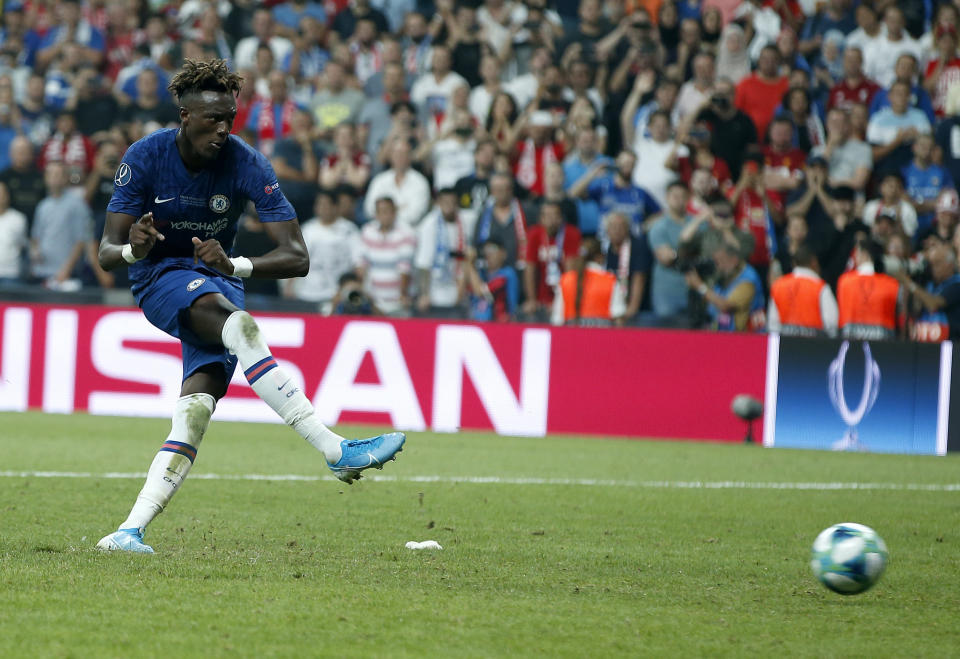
{"type": "Point", "coordinates": [172, 220]}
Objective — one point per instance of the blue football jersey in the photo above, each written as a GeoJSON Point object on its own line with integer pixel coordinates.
{"type": "Point", "coordinates": [206, 204]}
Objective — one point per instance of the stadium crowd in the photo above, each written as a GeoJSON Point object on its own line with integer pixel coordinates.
{"type": "Point", "coordinates": [742, 165]}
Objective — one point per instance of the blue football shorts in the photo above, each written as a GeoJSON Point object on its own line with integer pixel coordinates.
{"type": "Point", "coordinates": [166, 304]}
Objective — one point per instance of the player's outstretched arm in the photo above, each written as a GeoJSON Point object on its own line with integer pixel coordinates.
{"type": "Point", "coordinates": [126, 239]}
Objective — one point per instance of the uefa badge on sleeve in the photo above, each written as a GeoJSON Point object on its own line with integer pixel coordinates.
{"type": "Point", "coordinates": [123, 175]}
{"type": "Point", "coordinates": [219, 203]}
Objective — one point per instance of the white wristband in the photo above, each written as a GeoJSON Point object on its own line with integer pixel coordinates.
{"type": "Point", "coordinates": [127, 253]}
{"type": "Point", "coordinates": [702, 289]}
{"type": "Point", "coordinates": [242, 266]}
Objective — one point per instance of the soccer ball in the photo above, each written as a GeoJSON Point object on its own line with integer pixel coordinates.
{"type": "Point", "coordinates": [848, 558]}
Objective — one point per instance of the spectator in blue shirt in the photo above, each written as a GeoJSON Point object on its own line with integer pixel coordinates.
{"type": "Point", "coordinates": [71, 28]}
{"type": "Point", "coordinates": [495, 288]}
{"type": "Point", "coordinates": [613, 190]}
{"type": "Point", "coordinates": [289, 14]}
{"type": "Point", "coordinates": [947, 137]}
{"type": "Point", "coordinates": [575, 166]}
{"type": "Point", "coordinates": [836, 15]}
{"type": "Point", "coordinates": [892, 131]}
{"type": "Point", "coordinates": [924, 180]}
{"type": "Point", "coordinates": [310, 57]}
{"type": "Point", "coordinates": [906, 71]}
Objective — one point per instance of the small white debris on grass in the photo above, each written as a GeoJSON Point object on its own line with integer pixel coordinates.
{"type": "Point", "coordinates": [426, 544]}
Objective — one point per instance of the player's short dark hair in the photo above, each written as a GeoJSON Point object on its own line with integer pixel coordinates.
{"type": "Point", "coordinates": [348, 278]}
{"type": "Point", "coordinates": [804, 256]}
{"type": "Point", "coordinates": [663, 114]}
{"type": "Point", "coordinates": [402, 105]}
{"type": "Point", "coordinates": [329, 193]}
{"type": "Point", "coordinates": [771, 48]}
{"type": "Point", "coordinates": [894, 175]}
{"type": "Point", "coordinates": [677, 183]}
{"type": "Point", "coordinates": [385, 200]}
{"type": "Point", "coordinates": [551, 204]}
{"type": "Point", "coordinates": [445, 190]}
{"type": "Point", "coordinates": [196, 77]}
{"type": "Point", "coordinates": [843, 193]}
{"type": "Point", "coordinates": [716, 198]}
{"type": "Point", "coordinates": [344, 189]}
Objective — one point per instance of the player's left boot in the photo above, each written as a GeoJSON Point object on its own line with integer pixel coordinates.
{"type": "Point", "coordinates": [125, 540]}
{"type": "Point", "coordinates": [360, 454]}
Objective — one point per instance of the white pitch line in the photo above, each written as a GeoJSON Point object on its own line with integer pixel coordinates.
{"type": "Point", "coordinates": [506, 480]}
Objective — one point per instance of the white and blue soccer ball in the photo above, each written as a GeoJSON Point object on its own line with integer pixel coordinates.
{"type": "Point", "coordinates": [848, 558]}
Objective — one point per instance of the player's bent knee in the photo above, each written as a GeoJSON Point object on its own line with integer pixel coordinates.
{"type": "Point", "coordinates": [241, 331]}
{"type": "Point", "coordinates": [208, 313]}
{"type": "Point", "coordinates": [208, 379]}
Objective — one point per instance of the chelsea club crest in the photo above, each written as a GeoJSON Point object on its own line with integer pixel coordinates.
{"type": "Point", "coordinates": [219, 203]}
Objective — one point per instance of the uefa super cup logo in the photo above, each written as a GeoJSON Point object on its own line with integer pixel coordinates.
{"type": "Point", "coordinates": [868, 396]}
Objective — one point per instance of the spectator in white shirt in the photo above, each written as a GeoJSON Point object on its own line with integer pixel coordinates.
{"type": "Point", "coordinates": [481, 96]}
{"type": "Point", "coordinates": [869, 28]}
{"type": "Point", "coordinates": [651, 172]}
{"type": "Point", "coordinates": [892, 130]}
{"type": "Point", "coordinates": [333, 244]}
{"type": "Point", "coordinates": [245, 53]}
{"type": "Point", "coordinates": [442, 242]}
{"type": "Point", "coordinates": [881, 54]}
{"type": "Point", "coordinates": [407, 187]}
{"type": "Point", "coordinates": [13, 237]}
{"type": "Point", "coordinates": [451, 153]}
{"type": "Point", "coordinates": [695, 92]}
{"type": "Point", "coordinates": [386, 257]}
{"type": "Point", "coordinates": [892, 203]}
{"type": "Point", "coordinates": [432, 90]}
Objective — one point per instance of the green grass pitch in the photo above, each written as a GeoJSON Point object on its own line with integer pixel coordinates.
{"type": "Point", "coordinates": [570, 548]}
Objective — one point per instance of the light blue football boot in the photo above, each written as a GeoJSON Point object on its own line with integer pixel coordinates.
{"type": "Point", "coordinates": [360, 454]}
{"type": "Point", "coordinates": [125, 540]}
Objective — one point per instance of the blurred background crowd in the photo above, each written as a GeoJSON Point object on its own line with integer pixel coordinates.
{"type": "Point", "coordinates": [741, 165]}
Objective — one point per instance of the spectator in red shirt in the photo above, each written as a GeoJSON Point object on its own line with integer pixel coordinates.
{"type": "Point", "coordinates": [69, 146]}
{"type": "Point", "coordinates": [944, 71]}
{"type": "Point", "coordinates": [537, 152]}
{"type": "Point", "coordinates": [550, 246]}
{"type": "Point", "coordinates": [782, 166]}
{"type": "Point", "coordinates": [751, 213]}
{"type": "Point", "coordinates": [758, 95]}
{"type": "Point", "coordinates": [855, 86]}
{"type": "Point", "coordinates": [697, 141]}
{"type": "Point", "coordinates": [271, 118]}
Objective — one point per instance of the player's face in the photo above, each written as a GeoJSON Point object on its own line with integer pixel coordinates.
{"type": "Point", "coordinates": [207, 122]}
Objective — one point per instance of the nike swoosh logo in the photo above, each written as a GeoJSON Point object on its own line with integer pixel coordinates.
{"type": "Point", "coordinates": [158, 200]}
{"type": "Point", "coordinates": [283, 385]}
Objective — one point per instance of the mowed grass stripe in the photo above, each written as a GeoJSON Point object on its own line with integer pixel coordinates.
{"type": "Point", "coordinates": [497, 480]}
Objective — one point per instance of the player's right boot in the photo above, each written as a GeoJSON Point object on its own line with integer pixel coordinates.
{"type": "Point", "coordinates": [360, 454]}
{"type": "Point", "coordinates": [125, 540]}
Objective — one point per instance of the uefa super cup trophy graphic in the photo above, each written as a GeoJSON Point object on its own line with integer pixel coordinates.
{"type": "Point", "coordinates": [871, 389]}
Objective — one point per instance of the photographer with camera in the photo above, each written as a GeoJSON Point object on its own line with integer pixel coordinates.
{"type": "Point", "coordinates": [700, 239]}
{"type": "Point", "coordinates": [938, 303]}
{"type": "Point", "coordinates": [735, 301]}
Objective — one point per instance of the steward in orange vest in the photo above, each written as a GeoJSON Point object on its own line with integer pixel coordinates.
{"type": "Point", "coordinates": [801, 303]}
{"type": "Point", "coordinates": [869, 302]}
{"type": "Point", "coordinates": [589, 295]}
